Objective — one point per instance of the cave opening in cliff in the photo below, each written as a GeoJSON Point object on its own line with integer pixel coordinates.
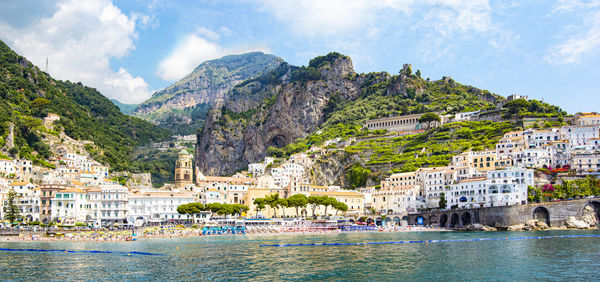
{"type": "Point", "coordinates": [279, 141]}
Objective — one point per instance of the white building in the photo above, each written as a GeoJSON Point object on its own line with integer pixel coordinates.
{"type": "Point", "coordinates": [532, 158]}
{"type": "Point", "coordinates": [7, 167]}
{"type": "Point", "coordinates": [498, 188]}
{"type": "Point", "coordinates": [109, 205]}
{"type": "Point", "coordinates": [24, 169]}
{"type": "Point", "coordinates": [435, 180]}
{"type": "Point", "coordinates": [70, 205]}
{"type": "Point", "coordinates": [256, 169]}
{"type": "Point", "coordinates": [586, 162]}
{"type": "Point", "coordinates": [512, 97]}
{"type": "Point", "coordinates": [28, 199]}
{"type": "Point", "coordinates": [284, 174]}
{"type": "Point", "coordinates": [464, 116]}
{"type": "Point", "coordinates": [157, 207]}
{"type": "Point", "coordinates": [579, 135]}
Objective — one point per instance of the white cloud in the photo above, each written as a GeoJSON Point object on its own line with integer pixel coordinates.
{"type": "Point", "coordinates": [79, 40]}
{"type": "Point", "coordinates": [205, 32]}
{"type": "Point", "coordinates": [194, 49]}
{"type": "Point", "coordinates": [573, 5]}
{"type": "Point", "coordinates": [580, 42]}
{"type": "Point", "coordinates": [316, 17]}
{"type": "Point", "coordinates": [440, 25]}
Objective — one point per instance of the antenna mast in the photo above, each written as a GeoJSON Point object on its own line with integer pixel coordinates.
{"type": "Point", "coordinates": [46, 64]}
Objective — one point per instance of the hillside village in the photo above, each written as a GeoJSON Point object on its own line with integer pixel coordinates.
{"type": "Point", "coordinates": [522, 167]}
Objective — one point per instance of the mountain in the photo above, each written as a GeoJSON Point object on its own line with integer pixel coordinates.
{"type": "Point", "coordinates": [28, 95]}
{"type": "Point", "coordinates": [127, 109]}
{"type": "Point", "coordinates": [290, 109]}
{"type": "Point", "coordinates": [182, 107]}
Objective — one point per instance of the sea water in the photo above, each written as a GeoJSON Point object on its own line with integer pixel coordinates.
{"type": "Point", "coordinates": [242, 257]}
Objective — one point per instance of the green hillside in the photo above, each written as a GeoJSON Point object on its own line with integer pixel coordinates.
{"type": "Point", "coordinates": [28, 94]}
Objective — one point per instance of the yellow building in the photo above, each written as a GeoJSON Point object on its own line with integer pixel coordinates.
{"type": "Point", "coordinates": [354, 200]}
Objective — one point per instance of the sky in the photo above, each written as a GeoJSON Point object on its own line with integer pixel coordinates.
{"type": "Point", "coordinates": [128, 49]}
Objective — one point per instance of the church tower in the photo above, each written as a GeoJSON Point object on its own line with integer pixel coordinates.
{"type": "Point", "coordinates": [184, 172]}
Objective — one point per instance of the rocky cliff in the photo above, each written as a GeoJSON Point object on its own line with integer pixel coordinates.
{"type": "Point", "coordinates": [182, 106]}
{"type": "Point", "coordinates": [286, 105]}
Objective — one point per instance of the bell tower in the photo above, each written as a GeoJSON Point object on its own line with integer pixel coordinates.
{"type": "Point", "coordinates": [184, 171]}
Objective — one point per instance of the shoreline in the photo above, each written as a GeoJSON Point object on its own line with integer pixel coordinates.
{"type": "Point", "coordinates": [196, 233]}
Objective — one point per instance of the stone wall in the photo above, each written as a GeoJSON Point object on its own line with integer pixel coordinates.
{"type": "Point", "coordinates": [554, 214]}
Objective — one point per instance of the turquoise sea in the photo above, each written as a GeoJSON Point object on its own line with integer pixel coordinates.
{"type": "Point", "coordinates": [241, 258]}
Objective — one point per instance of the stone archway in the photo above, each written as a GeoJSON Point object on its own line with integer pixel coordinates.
{"type": "Point", "coordinates": [542, 215]}
{"type": "Point", "coordinates": [443, 220]}
{"type": "Point", "coordinates": [387, 221]}
{"type": "Point", "coordinates": [466, 218]}
{"type": "Point", "coordinates": [379, 221]}
{"type": "Point", "coordinates": [397, 221]}
{"type": "Point", "coordinates": [405, 220]}
{"type": "Point", "coordinates": [370, 221]}
{"type": "Point", "coordinates": [433, 219]}
{"type": "Point", "coordinates": [454, 220]}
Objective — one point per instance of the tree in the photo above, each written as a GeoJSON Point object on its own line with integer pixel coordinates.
{"type": "Point", "coordinates": [214, 207]}
{"type": "Point", "coordinates": [39, 104]}
{"type": "Point", "coordinates": [239, 208]}
{"type": "Point", "coordinates": [429, 118]}
{"type": "Point", "coordinates": [340, 207]}
{"type": "Point", "coordinates": [284, 203]}
{"type": "Point", "coordinates": [275, 152]}
{"type": "Point", "coordinates": [298, 201]}
{"type": "Point", "coordinates": [515, 106]}
{"type": "Point", "coordinates": [225, 210]}
{"type": "Point", "coordinates": [182, 209]}
{"type": "Point", "coordinates": [314, 201]}
{"type": "Point", "coordinates": [11, 210]}
{"type": "Point", "coordinates": [418, 73]}
{"type": "Point", "coordinates": [327, 201]}
{"type": "Point", "coordinates": [358, 175]}
{"type": "Point", "coordinates": [260, 204]}
{"type": "Point", "coordinates": [273, 202]}
{"type": "Point", "coordinates": [442, 202]}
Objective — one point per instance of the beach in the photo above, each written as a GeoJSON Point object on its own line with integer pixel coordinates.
{"type": "Point", "coordinates": [174, 232]}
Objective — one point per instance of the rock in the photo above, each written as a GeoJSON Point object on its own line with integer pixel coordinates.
{"type": "Point", "coordinates": [589, 216]}
{"type": "Point", "coordinates": [541, 226]}
{"type": "Point", "coordinates": [518, 227]}
{"type": "Point", "coordinates": [573, 222]}
{"type": "Point", "coordinates": [474, 227]}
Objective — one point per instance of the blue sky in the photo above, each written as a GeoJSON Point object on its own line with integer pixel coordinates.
{"type": "Point", "coordinates": [127, 49]}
